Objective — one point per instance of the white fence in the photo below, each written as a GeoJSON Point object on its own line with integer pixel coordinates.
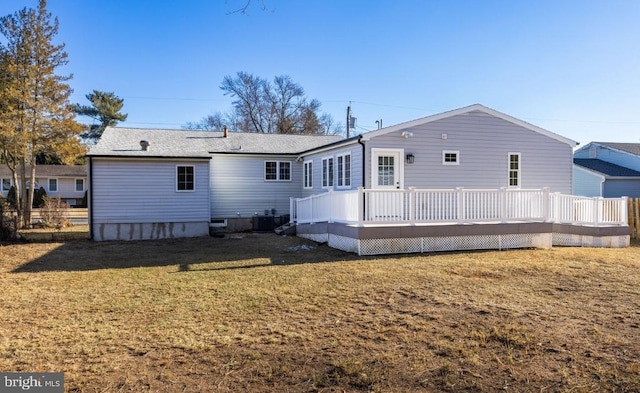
{"type": "Point", "coordinates": [413, 206]}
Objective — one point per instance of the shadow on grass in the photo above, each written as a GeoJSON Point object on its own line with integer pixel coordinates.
{"type": "Point", "coordinates": [185, 253]}
{"type": "Point", "coordinates": [234, 251]}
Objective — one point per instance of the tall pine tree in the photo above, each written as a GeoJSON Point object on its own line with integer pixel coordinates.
{"type": "Point", "coordinates": [105, 109]}
{"type": "Point", "coordinates": [37, 116]}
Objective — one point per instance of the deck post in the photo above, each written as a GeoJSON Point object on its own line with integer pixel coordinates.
{"type": "Point", "coordinates": [546, 211]}
{"type": "Point", "coordinates": [361, 206]}
{"type": "Point", "coordinates": [503, 204]}
{"type": "Point", "coordinates": [460, 199]}
{"type": "Point", "coordinates": [412, 205]}
{"type": "Point", "coordinates": [292, 210]}
{"type": "Point", "coordinates": [330, 212]}
{"type": "Point", "coordinates": [557, 207]}
{"type": "Point", "coordinates": [597, 209]}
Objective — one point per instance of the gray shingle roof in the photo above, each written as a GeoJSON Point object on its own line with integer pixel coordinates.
{"type": "Point", "coordinates": [125, 142]}
{"type": "Point", "coordinates": [51, 171]}
{"type": "Point", "coordinates": [606, 168]}
{"type": "Point", "coordinates": [633, 148]}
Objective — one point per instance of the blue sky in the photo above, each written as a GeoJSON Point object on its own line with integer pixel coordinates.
{"type": "Point", "coordinates": [569, 66]}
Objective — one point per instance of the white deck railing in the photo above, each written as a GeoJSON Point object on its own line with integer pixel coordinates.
{"type": "Point", "coordinates": [413, 206]}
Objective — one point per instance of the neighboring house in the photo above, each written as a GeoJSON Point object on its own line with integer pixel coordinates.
{"type": "Point", "coordinates": [607, 169]}
{"type": "Point", "coordinates": [68, 182]}
{"type": "Point", "coordinates": [172, 183]}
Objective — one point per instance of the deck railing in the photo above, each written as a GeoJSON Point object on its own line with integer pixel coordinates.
{"type": "Point", "coordinates": [414, 206]}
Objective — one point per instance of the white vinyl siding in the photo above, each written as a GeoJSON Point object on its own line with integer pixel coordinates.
{"type": "Point", "coordinates": [485, 141]}
{"type": "Point", "coordinates": [354, 152]}
{"type": "Point", "coordinates": [327, 172]}
{"type": "Point", "coordinates": [586, 182]}
{"type": "Point", "coordinates": [238, 188]}
{"type": "Point", "coordinates": [344, 171]}
{"type": "Point", "coordinates": [450, 157]}
{"type": "Point", "coordinates": [514, 169]}
{"type": "Point", "coordinates": [308, 175]}
{"type": "Point", "coordinates": [143, 191]}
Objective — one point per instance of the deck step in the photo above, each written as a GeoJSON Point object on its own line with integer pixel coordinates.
{"type": "Point", "coordinates": [288, 229]}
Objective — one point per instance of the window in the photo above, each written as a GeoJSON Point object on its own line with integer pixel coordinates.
{"type": "Point", "coordinates": [327, 172]}
{"type": "Point", "coordinates": [386, 170]}
{"type": "Point", "coordinates": [514, 169]}
{"type": "Point", "coordinates": [344, 170]}
{"type": "Point", "coordinates": [277, 170]}
{"type": "Point", "coordinates": [53, 185]}
{"type": "Point", "coordinates": [6, 184]}
{"type": "Point", "coordinates": [308, 174]}
{"type": "Point", "coordinates": [79, 185]}
{"type": "Point", "coordinates": [450, 157]}
{"type": "Point", "coordinates": [185, 179]}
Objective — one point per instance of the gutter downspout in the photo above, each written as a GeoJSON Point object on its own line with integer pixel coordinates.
{"type": "Point", "coordinates": [363, 160]}
{"type": "Point", "coordinates": [363, 173]}
{"type": "Point", "coordinates": [90, 198]}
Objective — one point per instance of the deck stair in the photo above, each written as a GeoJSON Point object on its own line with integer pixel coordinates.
{"type": "Point", "coordinates": [288, 229]}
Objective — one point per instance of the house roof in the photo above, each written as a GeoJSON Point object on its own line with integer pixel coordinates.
{"type": "Point", "coordinates": [467, 109]}
{"type": "Point", "coordinates": [631, 148]}
{"type": "Point", "coordinates": [125, 142]}
{"type": "Point", "coordinates": [605, 168]}
{"type": "Point", "coordinates": [52, 171]}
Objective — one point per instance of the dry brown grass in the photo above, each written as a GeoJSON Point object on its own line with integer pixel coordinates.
{"type": "Point", "coordinates": [260, 313]}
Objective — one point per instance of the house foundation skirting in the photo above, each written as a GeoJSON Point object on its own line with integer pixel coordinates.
{"type": "Point", "coordinates": [420, 239]}
{"type": "Point", "coordinates": [149, 231]}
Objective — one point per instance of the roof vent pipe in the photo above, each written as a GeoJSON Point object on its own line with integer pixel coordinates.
{"type": "Point", "coordinates": [226, 131]}
{"type": "Point", "coordinates": [144, 145]}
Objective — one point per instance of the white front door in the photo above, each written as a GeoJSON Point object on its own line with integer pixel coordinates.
{"type": "Point", "coordinates": [387, 168]}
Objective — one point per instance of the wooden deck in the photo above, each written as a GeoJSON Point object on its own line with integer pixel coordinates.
{"type": "Point", "coordinates": [371, 222]}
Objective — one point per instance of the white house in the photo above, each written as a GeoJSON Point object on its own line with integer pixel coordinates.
{"type": "Point", "coordinates": [149, 183]}
{"type": "Point", "coordinates": [68, 182]}
{"type": "Point", "coordinates": [471, 147]}
{"type": "Point", "coordinates": [171, 183]}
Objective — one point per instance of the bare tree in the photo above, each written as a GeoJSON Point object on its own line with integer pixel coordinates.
{"type": "Point", "coordinates": [212, 122]}
{"type": "Point", "coordinates": [279, 107]}
{"type": "Point", "coordinates": [243, 9]}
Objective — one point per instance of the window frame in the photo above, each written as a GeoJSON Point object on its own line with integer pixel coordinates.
{"type": "Point", "coordinates": [278, 169]}
{"type": "Point", "coordinates": [186, 181]}
{"type": "Point", "coordinates": [307, 175]}
{"type": "Point", "coordinates": [75, 184]}
{"type": "Point", "coordinates": [328, 168]}
{"type": "Point", "coordinates": [517, 171]}
{"type": "Point", "coordinates": [451, 152]}
{"type": "Point", "coordinates": [57, 184]}
{"type": "Point", "coordinates": [344, 173]}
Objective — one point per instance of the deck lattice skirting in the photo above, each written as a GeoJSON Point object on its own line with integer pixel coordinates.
{"type": "Point", "coordinates": [420, 239]}
{"type": "Point", "coordinates": [543, 220]}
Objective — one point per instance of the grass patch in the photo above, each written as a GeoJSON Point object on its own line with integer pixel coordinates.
{"type": "Point", "coordinates": [256, 312]}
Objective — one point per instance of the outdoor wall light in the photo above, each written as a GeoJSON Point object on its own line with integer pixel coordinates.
{"type": "Point", "coordinates": [406, 134]}
{"type": "Point", "coordinates": [410, 158]}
